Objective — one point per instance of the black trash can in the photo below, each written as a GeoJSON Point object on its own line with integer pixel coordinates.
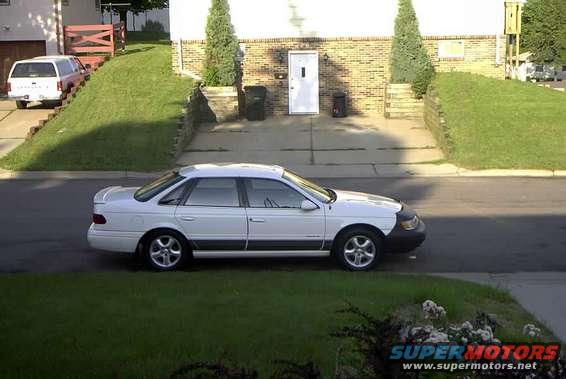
{"type": "Point", "coordinates": [339, 104]}
{"type": "Point", "coordinates": [255, 102]}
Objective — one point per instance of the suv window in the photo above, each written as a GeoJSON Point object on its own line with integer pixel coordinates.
{"type": "Point", "coordinates": [64, 67]}
{"type": "Point", "coordinates": [266, 193]}
{"type": "Point", "coordinates": [34, 70]}
{"type": "Point", "coordinates": [214, 192]}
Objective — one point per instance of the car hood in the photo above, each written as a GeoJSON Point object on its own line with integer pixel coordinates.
{"type": "Point", "coordinates": [360, 198]}
{"type": "Point", "coordinates": [115, 193]}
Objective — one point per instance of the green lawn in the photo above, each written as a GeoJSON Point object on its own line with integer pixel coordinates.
{"type": "Point", "coordinates": [503, 124]}
{"type": "Point", "coordinates": [123, 119]}
{"type": "Point", "coordinates": [145, 325]}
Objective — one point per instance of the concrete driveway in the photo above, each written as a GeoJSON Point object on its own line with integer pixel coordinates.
{"type": "Point", "coordinates": [314, 140]}
{"type": "Point", "coordinates": [15, 123]}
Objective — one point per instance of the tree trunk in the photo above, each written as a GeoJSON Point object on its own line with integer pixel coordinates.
{"type": "Point", "coordinates": [124, 16]}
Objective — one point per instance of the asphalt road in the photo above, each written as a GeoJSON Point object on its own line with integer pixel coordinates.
{"type": "Point", "coordinates": [475, 225]}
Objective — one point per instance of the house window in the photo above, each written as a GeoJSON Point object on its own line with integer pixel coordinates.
{"type": "Point", "coordinates": [539, 68]}
{"type": "Point", "coordinates": [65, 2]}
{"type": "Point", "coordinates": [563, 68]}
{"type": "Point", "coordinates": [4, 2]}
{"type": "Point", "coordinates": [451, 49]}
{"type": "Point", "coordinates": [97, 4]}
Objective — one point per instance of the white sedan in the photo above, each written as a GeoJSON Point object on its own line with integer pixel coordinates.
{"type": "Point", "coordinates": [249, 210]}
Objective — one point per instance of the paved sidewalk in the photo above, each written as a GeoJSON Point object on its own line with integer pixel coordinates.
{"type": "Point", "coordinates": [314, 140]}
{"type": "Point", "coordinates": [15, 123]}
{"type": "Point", "coordinates": [541, 293]}
{"type": "Point", "coordinates": [314, 171]}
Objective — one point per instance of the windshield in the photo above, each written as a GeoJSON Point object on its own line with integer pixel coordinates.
{"type": "Point", "coordinates": [313, 189]}
{"type": "Point", "coordinates": [34, 70]}
{"type": "Point", "coordinates": [158, 185]}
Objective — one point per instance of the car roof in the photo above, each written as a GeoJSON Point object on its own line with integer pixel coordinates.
{"type": "Point", "coordinates": [232, 169]}
{"type": "Point", "coordinates": [55, 57]}
{"type": "Point", "coordinates": [43, 60]}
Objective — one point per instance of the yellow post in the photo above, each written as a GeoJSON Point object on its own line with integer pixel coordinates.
{"type": "Point", "coordinates": [518, 35]}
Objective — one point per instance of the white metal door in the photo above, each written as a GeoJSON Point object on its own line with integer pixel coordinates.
{"type": "Point", "coordinates": [303, 82]}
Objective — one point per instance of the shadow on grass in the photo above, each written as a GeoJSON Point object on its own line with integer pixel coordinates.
{"type": "Point", "coordinates": [127, 145]}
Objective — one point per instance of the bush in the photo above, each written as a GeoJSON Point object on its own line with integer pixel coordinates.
{"type": "Point", "coordinates": [410, 62]}
{"type": "Point", "coordinates": [221, 46]}
{"type": "Point", "coordinates": [422, 81]}
{"type": "Point", "coordinates": [153, 26]}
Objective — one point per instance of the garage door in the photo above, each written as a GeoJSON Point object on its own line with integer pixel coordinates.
{"type": "Point", "coordinates": [11, 51]}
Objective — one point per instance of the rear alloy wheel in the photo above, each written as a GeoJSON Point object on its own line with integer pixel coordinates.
{"type": "Point", "coordinates": [166, 251]}
{"type": "Point", "coordinates": [359, 250]}
{"type": "Point", "coordinates": [21, 104]}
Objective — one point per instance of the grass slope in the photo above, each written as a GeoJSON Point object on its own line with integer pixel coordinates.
{"type": "Point", "coordinates": [124, 118]}
{"type": "Point", "coordinates": [145, 325]}
{"type": "Point", "coordinates": [503, 124]}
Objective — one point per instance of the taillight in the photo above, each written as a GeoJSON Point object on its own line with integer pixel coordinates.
{"type": "Point", "coordinates": [60, 86]}
{"type": "Point", "coordinates": [98, 219]}
{"type": "Point", "coordinates": [8, 87]}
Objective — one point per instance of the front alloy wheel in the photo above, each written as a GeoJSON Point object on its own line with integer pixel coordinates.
{"type": "Point", "coordinates": [358, 249]}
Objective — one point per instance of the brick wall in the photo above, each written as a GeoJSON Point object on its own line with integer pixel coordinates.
{"type": "Point", "coordinates": [359, 66]}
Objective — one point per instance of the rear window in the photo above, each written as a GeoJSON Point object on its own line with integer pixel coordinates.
{"type": "Point", "coordinates": [34, 70]}
{"type": "Point", "coordinates": [157, 186]}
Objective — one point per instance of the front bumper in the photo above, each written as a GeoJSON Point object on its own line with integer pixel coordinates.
{"type": "Point", "coordinates": [401, 240]}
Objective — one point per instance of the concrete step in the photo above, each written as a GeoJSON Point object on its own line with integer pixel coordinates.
{"type": "Point", "coordinates": [405, 104]}
{"type": "Point", "coordinates": [404, 115]}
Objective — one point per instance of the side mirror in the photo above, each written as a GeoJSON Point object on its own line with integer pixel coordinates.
{"type": "Point", "coordinates": [88, 66]}
{"type": "Point", "coordinates": [308, 205]}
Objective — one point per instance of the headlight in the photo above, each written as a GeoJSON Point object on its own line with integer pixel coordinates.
{"type": "Point", "coordinates": [410, 224]}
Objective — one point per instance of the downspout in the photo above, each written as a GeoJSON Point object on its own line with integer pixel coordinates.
{"type": "Point", "coordinates": [59, 26]}
{"type": "Point", "coordinates": [497, 50]}
{"type": "Point", "coordinates": [179, 54]}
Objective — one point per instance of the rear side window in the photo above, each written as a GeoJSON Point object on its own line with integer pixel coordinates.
{"type": "Point", "coordinates": [214, 192]}
{"type": "Point", "coordinates": [157, 186]}
{"type": "Point", "coordinates": [34, 70]}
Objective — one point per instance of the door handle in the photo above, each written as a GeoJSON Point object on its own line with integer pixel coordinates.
{"type": "Point", "coordinates": [253, 219]}
{"type": "Point", "coordinates": [187, 218]}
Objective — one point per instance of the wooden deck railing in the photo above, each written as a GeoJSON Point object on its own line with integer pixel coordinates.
{"type": "Point", "coordinates": [102, 38]}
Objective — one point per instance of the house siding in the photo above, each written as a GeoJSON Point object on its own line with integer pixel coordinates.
{"type": "Point", "coordinates": [359, 66]}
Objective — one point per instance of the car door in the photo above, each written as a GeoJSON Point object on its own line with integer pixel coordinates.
{"type": "Point", "coordinates": [276, 220]}
{"type": "Point", "coordinates": [212, 215]}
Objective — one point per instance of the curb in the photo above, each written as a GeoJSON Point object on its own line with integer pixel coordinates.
{"type": "Point", "coordinates": [66, 175]}
{"type": "Point", "coordinates": [314, 171]}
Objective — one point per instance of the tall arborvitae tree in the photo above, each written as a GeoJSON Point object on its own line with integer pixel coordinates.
{"type": "Point", "coordinates": [410, 62]}
{"type": "Point", "coordinates": [221, 46]}
{"type": "Point", "coordinates": [544, 31]}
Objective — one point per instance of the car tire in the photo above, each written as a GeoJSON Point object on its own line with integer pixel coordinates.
{"type": "Point", "coordinates": [358, 249]}
{"type": "Point", "coordinates": [165, 250]}
{"type": "Point", "coordinates": [21, 104]}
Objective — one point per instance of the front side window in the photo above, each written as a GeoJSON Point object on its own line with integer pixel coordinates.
{"type": "Point", "coordinates": [214, 192]}
{"type": "Point", "coordinates": [34, 70]}
{"type": "Point", "coordinates": [266, 193]}
{"type": "Point", "coordinates": [157, 186]}
{"type": "Point", "coordinates": [311, 188]}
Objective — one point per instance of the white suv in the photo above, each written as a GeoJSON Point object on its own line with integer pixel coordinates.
{"type": "Point", "coordinates": [42, 79]}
